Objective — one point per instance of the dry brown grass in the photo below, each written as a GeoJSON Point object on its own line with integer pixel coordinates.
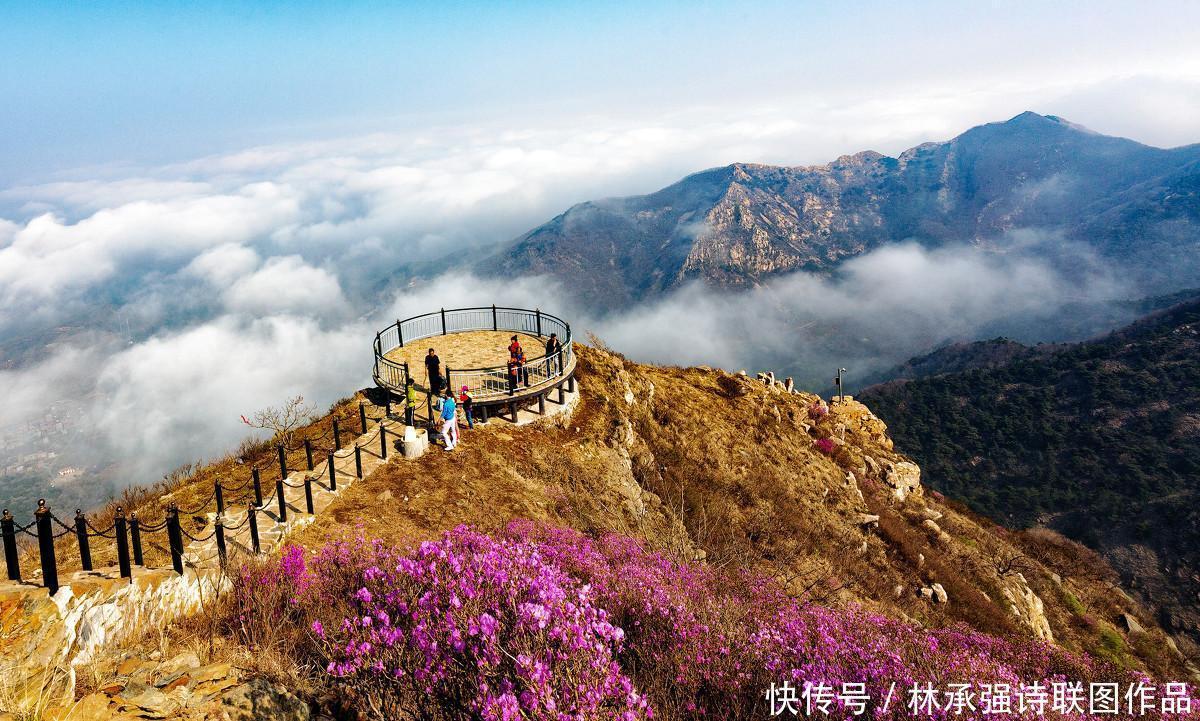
{"type": "Point", "coordinates": [705, 464]}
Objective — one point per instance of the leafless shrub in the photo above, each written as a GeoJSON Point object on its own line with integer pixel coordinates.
{"type": "Point", "coordinates": [283, 421]}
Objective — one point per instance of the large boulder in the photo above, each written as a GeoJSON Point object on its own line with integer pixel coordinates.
{"type": "Point", "coordinates": [904, 478]}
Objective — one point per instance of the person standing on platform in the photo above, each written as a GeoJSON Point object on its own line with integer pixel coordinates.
{"type": "Point", "coordinates": [554, 361]}
{"type": "Point", "coordinates": [433, 368]}
{"type": "Point", "coordinates": [513, 374]}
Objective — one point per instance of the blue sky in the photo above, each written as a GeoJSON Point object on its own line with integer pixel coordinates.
{"type": "Point", "coordinates": [128, 82]}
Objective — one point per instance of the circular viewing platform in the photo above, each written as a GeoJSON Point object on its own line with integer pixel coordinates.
{"type": "Point", "coordinates": [473, 347]}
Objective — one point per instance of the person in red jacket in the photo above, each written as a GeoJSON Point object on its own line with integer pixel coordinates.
{"type": "Point", "coordinates": [467, 403]}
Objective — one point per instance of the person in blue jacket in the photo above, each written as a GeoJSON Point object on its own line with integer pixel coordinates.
{"type": "Point", "coordinates": [449, 418]}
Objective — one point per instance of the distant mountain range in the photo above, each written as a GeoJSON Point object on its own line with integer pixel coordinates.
{"type": "Point", "coordinates": [740, 224]}
{"type": "Point", "coordinates": [1100, 440]}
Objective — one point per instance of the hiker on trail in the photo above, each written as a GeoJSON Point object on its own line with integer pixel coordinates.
{"type": "Point", "coordinates": [449, 418]}
{"type": "Point", "coordinates": [514, 372]}
{"type": "Point", "coordinates": [554, 362]}
{"type": "Point", "coordinates": [433, 368]}
{"type": "Point", "coordinates": [468, 406]}
{"type": "Point", "coordinates": [410, 401]}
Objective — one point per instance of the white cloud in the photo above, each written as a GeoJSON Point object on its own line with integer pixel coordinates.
{"type": "Point", "coordinates": [286, 284]}
{"type": "Point", "coordinates": [222, 265]}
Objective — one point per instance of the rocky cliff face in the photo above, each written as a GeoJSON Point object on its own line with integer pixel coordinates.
{"type": "Point", "coordinates": [737, 225]}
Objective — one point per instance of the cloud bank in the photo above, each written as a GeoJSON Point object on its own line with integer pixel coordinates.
{"type": "Point", "coordinates": [170, 301]}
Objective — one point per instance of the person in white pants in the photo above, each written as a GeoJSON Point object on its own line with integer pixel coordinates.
{"type": "Point", "coordinates": [449, 418]}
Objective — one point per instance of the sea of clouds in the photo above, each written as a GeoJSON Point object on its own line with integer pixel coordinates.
{"type": "Point", "coordinates": [171, 300]}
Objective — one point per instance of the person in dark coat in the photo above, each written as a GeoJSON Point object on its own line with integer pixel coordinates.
{"type": "Point", "coordinates": [554, 360]}
{"type": "Point", "coordinates": [433, 368]}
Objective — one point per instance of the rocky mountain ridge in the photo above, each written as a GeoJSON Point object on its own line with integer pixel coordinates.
{"type": "Point", "coordinates": [727, 470]}
{"type": "Point", "coordinates": [738, 225]}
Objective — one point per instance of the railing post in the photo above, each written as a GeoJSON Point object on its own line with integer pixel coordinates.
{"type": "Point", "coordinates": [332, 474]}
{"type": "Point", "coordinates": [9, 531]}
{"type": "Point", "coordinates": [122, 544]}
{"type": "Point", "coordinates": [219, 532]}
{"type": "Point", "coordinates": [282, 460]}
{"type": "Point", "coordinates": [220, 498]}
{"type": "Point", "coordinates": [45, 534]}
{"type": "Point", "coordinates": [387, 405]}
{"type": "Point", "coordinates": [252, 511]}
{"type": "Point", "coordinates": [337, 436]}
{"type": "Point", "coordinates": [562, 400]}
{"type": "Point", "coordinates": [443, 321]}
{"type": "Point", "coordinates": [279, 488]}
{"type": "Point", "coordinates": [542, 404]}
{"type": "Point", "coordinates": [135, 534]}
{"type": "Point", "coordinates": [495, 324]}
{"type": "Point", "coordinates": [448, 386]}
{"type": "Point", "coordinates": [382, 441]}
{"type": "Point", "coordinates": [357, 460]}
{"type": "Point", "coordinates": [400, 333]}
{"type": "Point", "coordinates": [362, 416]}
{"type": "Point", "coordinates": [512, 408]}
{"type": "Point", "coordinates": [85, 550]}
{"type": "Point", "coordinates": [538, 311]}
{"type": "Point", "coordinates": [308, 453]}
{"type": "Point", "coordinates": [175, 538]}
{"type": "Point", "coordinates": [257, 486]}
{"type": "Point", "coordinates": [308, 501]}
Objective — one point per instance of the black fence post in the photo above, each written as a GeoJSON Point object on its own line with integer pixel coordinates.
{"type": "Point", "coordinates": [387, 405]}
{"type": "Point", "coordinates": [308, 502]}
{"type": "Point", "coordinates": [220, 498]}
{"type": "Point", "coordinates": [357, 460]}
{"type": "Point", "coordinates": [45, 534]}
{"type": "Point", "coordinates": [542, 404]}
{"type": "Point", "coordinates": [512, 408]}
{"type": "Point", "coordinates": [282, 461]}
{"type": "Point", "coordinates": [135, 534]}
{"type": "Point", "coordinates": [561, 395]}
{"type": "Point", "coordinates": [570, 384]}
{"type": "Point", "coordinates": [85, 550]}
{"type": "Point", "coordinates": [443, 321]}
{"type": "Point", "coordinates": [332, 474]}
{"type": "Point", "coordinates": [362, 416]}
{"type": "Point", "coordinates": [252, 512]}
{"type": "Point", "coordinates": [483, 414]}
{"type": "Point", "coordinates": [219, 532]}
{"type": "Point", "coordinates": [279, 487]}
{"type": "Point", "coordinates": [257, 486]}
{"type": "Point", "coordinates": [9, 531]}
{"type": "Point", "coordinates": [495, 324]}
{"type": "Point", "coordinates": [382, 441]}
{"type": "Point", "coordinates": [400, 333]}
{"type": "Point", "coordinates": [448, 386]}
{"type": "Point", "coordinates": [122, 544]}
{"type": "Point", "coordinates": [538, 311]}
{"type": "Point", "coordinates": [308, 453]}
{"type": "Point", "coordinates": [337, 436]}
{"type": "Point", "coordinates": [175, 538]}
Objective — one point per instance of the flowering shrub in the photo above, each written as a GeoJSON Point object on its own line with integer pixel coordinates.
{"type": "Point", "coordinates": [540, 622]}
{"type": "Point", "coordinates": [825, 445]}
{"type": "Point", "coordinates": [485, 626]}
{"type": "Point", "coordinates": [817, 410]}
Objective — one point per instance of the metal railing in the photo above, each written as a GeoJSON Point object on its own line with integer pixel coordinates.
{"type": "Point", "coordinates": [228, 500]}
{"type": "Point", "coordinates": [485, 384]}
